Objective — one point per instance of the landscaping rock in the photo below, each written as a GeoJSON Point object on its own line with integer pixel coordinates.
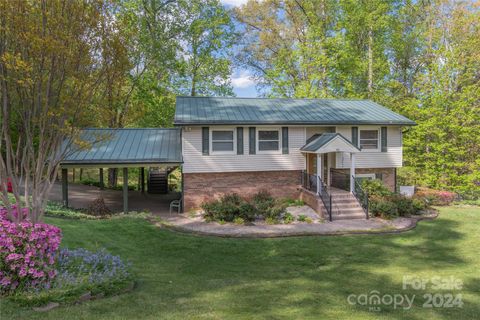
{"type": "Point", "coordinates": [303, 210]}
{"type": "Point", "coordinates": [99, 296]}
{"type": "Point", "coordinates": [48, 307]}
{"type": "Point", "coordinates": [84, 297]}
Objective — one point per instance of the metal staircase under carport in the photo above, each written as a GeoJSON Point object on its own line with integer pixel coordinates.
{"type": "Point", "coordinates": [157, 182]}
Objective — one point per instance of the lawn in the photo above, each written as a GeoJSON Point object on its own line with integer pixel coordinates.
{"type": "Point", "coordinates": [189, 277]}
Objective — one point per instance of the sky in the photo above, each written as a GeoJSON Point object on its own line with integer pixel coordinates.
{"type": "Point", "coordinates": [243, 85]}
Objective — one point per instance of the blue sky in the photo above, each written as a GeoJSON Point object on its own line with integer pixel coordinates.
{"type": "Point", "coordinates": [242, 82]}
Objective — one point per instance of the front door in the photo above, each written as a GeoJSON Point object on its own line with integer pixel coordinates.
{"type": "Point", "coordinates": [312, 163]}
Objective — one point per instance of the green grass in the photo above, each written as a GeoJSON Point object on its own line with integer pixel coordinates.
{"type": "Point", "coordinates": [185, 277]}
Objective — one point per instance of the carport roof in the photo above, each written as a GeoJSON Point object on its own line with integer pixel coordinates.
{"type": "Point", "coordinates": [132, 147]}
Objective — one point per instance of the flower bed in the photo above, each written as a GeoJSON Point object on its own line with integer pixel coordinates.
{"type": "Point", "coordinates": [81, 275]}
{"type": "Point", "coordinates": [233, 208]}
{"type": "Point", "coordinates": [34, 271]}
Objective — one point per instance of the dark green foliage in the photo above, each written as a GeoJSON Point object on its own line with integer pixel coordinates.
{"type": "Point", "coordinates": [231, 206]}
{"type": "Point", "coordinates": [227, 208]}
{"type": "Point", "coordinates": [375, 187]}
{"type": "Point", "coordinates": [266, 206]}
{"type": "Point", "coordinates": [384, 203]}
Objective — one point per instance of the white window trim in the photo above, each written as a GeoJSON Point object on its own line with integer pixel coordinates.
{"type": "Point", "coordinates": [379, 139]}
{"type": "Point", "coordinates": [257, 140]}
{"type": "Point", "coordinates": [366, 175]}
{"type": "Point", "coordinates": [234, 130]}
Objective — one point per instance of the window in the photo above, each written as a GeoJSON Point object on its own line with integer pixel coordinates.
{"type": "Point", "coordinates": [223, 141]}
{"type": "Point", "coordinates": [268, 140]}
{"type": "Point", "coordinates": [368, 139]}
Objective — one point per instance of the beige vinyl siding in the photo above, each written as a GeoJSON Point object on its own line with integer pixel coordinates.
{"type": "Point", "coordinates": [373, 159]}
{"type": "Point", "coordinates": [195, 162]}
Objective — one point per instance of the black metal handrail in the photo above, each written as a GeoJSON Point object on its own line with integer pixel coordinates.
{"type": "Point", "coordinates": [310, 182]}
{"type": "Point", "coordinates": [361, 195]}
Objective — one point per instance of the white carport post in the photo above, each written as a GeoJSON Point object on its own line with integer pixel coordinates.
{"type": "Point", "coordinates": [352, 172]}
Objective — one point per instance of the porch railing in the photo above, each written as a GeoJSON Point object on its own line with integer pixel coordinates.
{"type": "Point", "coordinates": [361, 195]}
{"type": "Point", "coordinates": [313, 183]}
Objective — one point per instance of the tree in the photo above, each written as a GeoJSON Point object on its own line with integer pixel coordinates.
{"type": "Point", "coordinates": [49, 74]}
{"type": "Point", "coordinates": [204, 67]}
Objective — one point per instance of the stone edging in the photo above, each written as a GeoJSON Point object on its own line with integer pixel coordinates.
{"type": "Point", "coordinates": [87, 296]}
{"type": "Point", "coordinates": [412, 225]}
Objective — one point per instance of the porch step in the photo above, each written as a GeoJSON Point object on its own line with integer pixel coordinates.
{"type": "Point", "coordinates": [345, 206]}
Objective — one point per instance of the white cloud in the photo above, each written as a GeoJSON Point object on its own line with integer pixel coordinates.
{"type": "Point", "coordinates": [233, 3]}
{"type": "Point", "coordinates": [243, 79]}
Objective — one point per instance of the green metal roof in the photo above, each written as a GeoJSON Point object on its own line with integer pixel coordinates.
{"type": "Point", "coordinates": [213, 110]}
{"type": "Point", "coordinates": [319, 140]}
{"type": "Point", "coordinates": [128, 146]}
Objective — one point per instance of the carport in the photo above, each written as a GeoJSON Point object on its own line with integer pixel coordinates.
{"type": "Point", "coordinates": [123, 148]}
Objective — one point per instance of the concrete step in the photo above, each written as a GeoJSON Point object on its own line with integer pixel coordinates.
{"type": "Point", "coordinates": [348, 217]}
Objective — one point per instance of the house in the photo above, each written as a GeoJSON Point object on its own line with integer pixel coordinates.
{"type": "Point", "coordinates": [315, 149]}
{"type": "Point", "coordinates": [244, 145]}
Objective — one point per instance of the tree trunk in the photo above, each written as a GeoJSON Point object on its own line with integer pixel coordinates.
{"type": "Point", "coordinates": [370, 62]}
{"type": "Point", "coordinates": [112, 177]}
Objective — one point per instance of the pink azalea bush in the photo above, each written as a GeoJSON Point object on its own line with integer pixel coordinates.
{"type": "Point", "coordinates": [27, 253]}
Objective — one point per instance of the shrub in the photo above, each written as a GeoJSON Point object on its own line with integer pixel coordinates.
{"type": "Point", "coordinates": [375, 187]}
{"type": "Point", "coordinates": [238, 221]}
{"type": "Point", "coordinates": [383, 207]}
{"type": "Point", "coordinates": [405, 205]}
{"type": "Point", "coordinates": [267, 206]}
{"type": "Point", "coordinates": [229, 207]}
{"type": "Point", "coordinates": [302, 218]}
{"type": "Point", "coordinates": [270, 220]}
{"type": "Point", "coordinates": [308, 220]}
{"type": "Point", "coordinates": [90, 182]}
{"type": "Point", "coordinates": [27, 254]}
{"type": "Point", "coordinates": [436, 197]}
{"type": "Point", "coordinates": [98, 208]}
{"type": "Point", "coordinates": [419, 204]}
{"type": "Point", "coordinates": [293, 202]}
{"type": "Point", "coordinates": [288, 218]}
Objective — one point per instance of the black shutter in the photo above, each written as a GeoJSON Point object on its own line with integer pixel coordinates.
{"type": "Point", "coordinates": [355, 136]}
{"type": "Point", "coordinates": [251, 141]}
{"type": "Point", "coordinates": [384, 139]}
{"type": "Point", "coordinates": [239, 140]}
{"type": "Point", "coordinates": [205, 141]}
{"type": "Point", "coordinates": [379, 176]}
{"type": "Point", "coordinates": [285, 140]}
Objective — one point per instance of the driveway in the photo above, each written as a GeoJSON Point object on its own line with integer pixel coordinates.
{"type": "Point", "coordinates": [80, 196]}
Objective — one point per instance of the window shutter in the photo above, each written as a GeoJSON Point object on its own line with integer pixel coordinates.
{"type": "Point", "coordinates": [205, 141]}
{"type": "Point", "coordinates": [252, 141]}
{"type": "Point", "coordinates": [239, 140]}
{"type": "Point", "coordinates": [355, 136]}
{"type": "Point", "coordinates": [285, 140]}
{"type": "Point", "coordinates": [384, 139]}
{"type": "Point", "coordinates": [379, 176]}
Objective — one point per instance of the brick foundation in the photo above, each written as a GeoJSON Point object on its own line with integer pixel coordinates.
{"type": "Point", "coordinates": [388, 175]}
{"type": "Point", "coordinates": [202, 187]}
{"type": "Point", "coordinates": [313, 201]}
